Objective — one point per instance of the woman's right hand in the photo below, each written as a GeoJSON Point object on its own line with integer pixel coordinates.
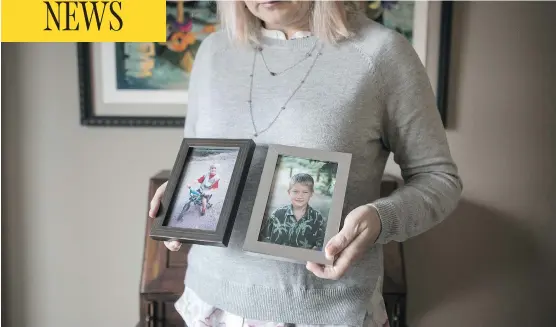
{"type": "Point", "coordinates": [155, 204]}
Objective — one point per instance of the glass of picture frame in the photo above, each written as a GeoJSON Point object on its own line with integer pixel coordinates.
{"type": "Point", "coordinates": [299, 203]}
{"type": "Point", "coordinates": [203, 192]}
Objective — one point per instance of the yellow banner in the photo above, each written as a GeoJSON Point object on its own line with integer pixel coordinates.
{"type": "Point", "coordinates": [83, 21]}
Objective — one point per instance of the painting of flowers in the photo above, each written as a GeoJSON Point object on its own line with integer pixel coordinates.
{"type": "Point", "coordinates": [145, 83]}
{"type": "Point", "coordinates": [166, 65]}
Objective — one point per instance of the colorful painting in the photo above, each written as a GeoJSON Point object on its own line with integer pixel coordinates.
{"type": "Point", "coordinates": [397, 15]}
{"type": "Point", "coordinates": [146, 84]}
{"type": "Point", "coordinates": [409, 18]}
{"type": "Point", "coordinates": [418, 21]}
{"type": "Point", "coordinates": [167, 65]}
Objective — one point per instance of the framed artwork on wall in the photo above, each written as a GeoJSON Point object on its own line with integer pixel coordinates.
{"type": "Point", "coordinates": [144, 84]}
{"type": "Point", "coordinates": [427, 25]}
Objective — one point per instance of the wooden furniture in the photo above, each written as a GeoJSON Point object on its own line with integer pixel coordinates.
{"type": "Point", "coordinates": [163, 274]}
{"type": "Point", "coordinates": [394, 289]}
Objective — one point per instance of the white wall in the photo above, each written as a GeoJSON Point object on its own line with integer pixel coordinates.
{"type": "Point", "coordinates": [73, 216]}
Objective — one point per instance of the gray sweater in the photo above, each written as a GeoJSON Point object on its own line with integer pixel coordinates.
{"type": "Point", "coordinates": [368, 96]}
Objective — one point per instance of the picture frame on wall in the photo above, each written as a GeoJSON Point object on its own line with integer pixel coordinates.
{"type": "Point", "coordinates": [203, 192]}
{"type": "Point", "coordinates": [428, 26]}
{"type": "Point", "coordinates": [299, 204]}
{"type": "Point", "coordinates": [144, 83]}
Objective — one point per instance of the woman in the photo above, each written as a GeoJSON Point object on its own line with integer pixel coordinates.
{"type": "Point", "coordinates": [315, 74]}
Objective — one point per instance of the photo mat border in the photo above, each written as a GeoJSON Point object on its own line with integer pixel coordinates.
{"type": "Point", "coordinates": [221, 235]}
{"type": "Point", "coordinates": [88, 95]}
{"type": "Point", "coordinates": [285, 253]}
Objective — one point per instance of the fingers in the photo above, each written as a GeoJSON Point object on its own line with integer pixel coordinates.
{"type": "Point", "coordinates": [172, 245]}
{"type": "Point", "coordinates": [358, 232]}
{"type": "Point", "coordinates": [315, 268]}
{"type": "Point", "coordinates": [341, 240]}
{"type": "Point", "coordinates": [155, 202]}
{"type": "Point", "coordinates": [342, 263]}
{"type": "Point", "coordinates": [154, 208]}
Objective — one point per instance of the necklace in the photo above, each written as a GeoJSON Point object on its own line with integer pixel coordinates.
{"type": "Point", "coordinates": [257, 132]}
{"type": "Point", "coordinates": [273, 73]}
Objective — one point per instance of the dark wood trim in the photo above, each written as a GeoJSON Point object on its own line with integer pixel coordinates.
{"type": "Point", "coordinates": [445, 48]}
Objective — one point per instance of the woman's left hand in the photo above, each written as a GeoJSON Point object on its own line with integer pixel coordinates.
{"type": "Point", "coordinates": [361, 229]}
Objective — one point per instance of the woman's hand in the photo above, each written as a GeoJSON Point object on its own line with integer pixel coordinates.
{"type": "Point", "coordinates": [155, 204]}
{"type": "Point", "coordinates": [361, 229]}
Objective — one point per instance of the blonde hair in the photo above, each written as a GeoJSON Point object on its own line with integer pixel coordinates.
{"type": "Point", "coordinates": [328, 22]}
{"type": "Point", "coordinates": [303, 179]}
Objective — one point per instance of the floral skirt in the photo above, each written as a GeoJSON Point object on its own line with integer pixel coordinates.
{"type": "Point", "coordinates": [197, 313]}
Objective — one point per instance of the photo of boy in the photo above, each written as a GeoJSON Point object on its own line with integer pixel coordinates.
{"type": "Point", "coordinates": [202, 188]}
{"type": "Point", "coordinates": [208, 183]}
{"type": "Point", "coordinates": [296, 224]}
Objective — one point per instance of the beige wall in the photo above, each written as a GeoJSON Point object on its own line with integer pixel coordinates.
{"type": "Point", "coordinates": [489, 265]}
{"type": "Point", "coordinates": [73, 217]}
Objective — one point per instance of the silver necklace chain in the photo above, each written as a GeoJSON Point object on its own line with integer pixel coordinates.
{"type": "Point", "coordinates": [283, 107]}
{"type": "Point", "coordinates": [274, 73]}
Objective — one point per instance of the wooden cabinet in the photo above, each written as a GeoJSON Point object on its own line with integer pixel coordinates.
{"type": "Point", "coordinates": [163, 274]}
{"type": "Point", "coordinates": [394, 289]}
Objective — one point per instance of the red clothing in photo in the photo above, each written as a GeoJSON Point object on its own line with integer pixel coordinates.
{"type": "Point", "coordinates": [213, 186]}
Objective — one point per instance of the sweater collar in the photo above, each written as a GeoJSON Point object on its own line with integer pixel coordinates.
{"type": "Point", "coordinates": [276, 34]}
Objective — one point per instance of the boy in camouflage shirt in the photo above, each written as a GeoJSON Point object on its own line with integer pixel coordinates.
{"type": "Point", "coordinates": [296, 224]}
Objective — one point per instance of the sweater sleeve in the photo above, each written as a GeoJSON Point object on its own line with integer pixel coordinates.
{"type": "Point", "coordinates": [199, 71]}
{"type": "Point", "coordinates": [413, 132]}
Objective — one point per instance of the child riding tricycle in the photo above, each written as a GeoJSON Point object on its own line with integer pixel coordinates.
{"type": "Point", "coordinates": [201, 195]}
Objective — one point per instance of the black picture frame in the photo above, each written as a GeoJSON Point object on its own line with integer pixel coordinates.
{"type": "Point", "coordinates": [438, 18]}
{"type": "Point", "coordinates": [88, 115]}
{"type": "Point", "coordinates": [112, 96]}
{"type": "Point", "coordinates": [445, 48]}
{"type": "Point", "coordinates": [221, 235]}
